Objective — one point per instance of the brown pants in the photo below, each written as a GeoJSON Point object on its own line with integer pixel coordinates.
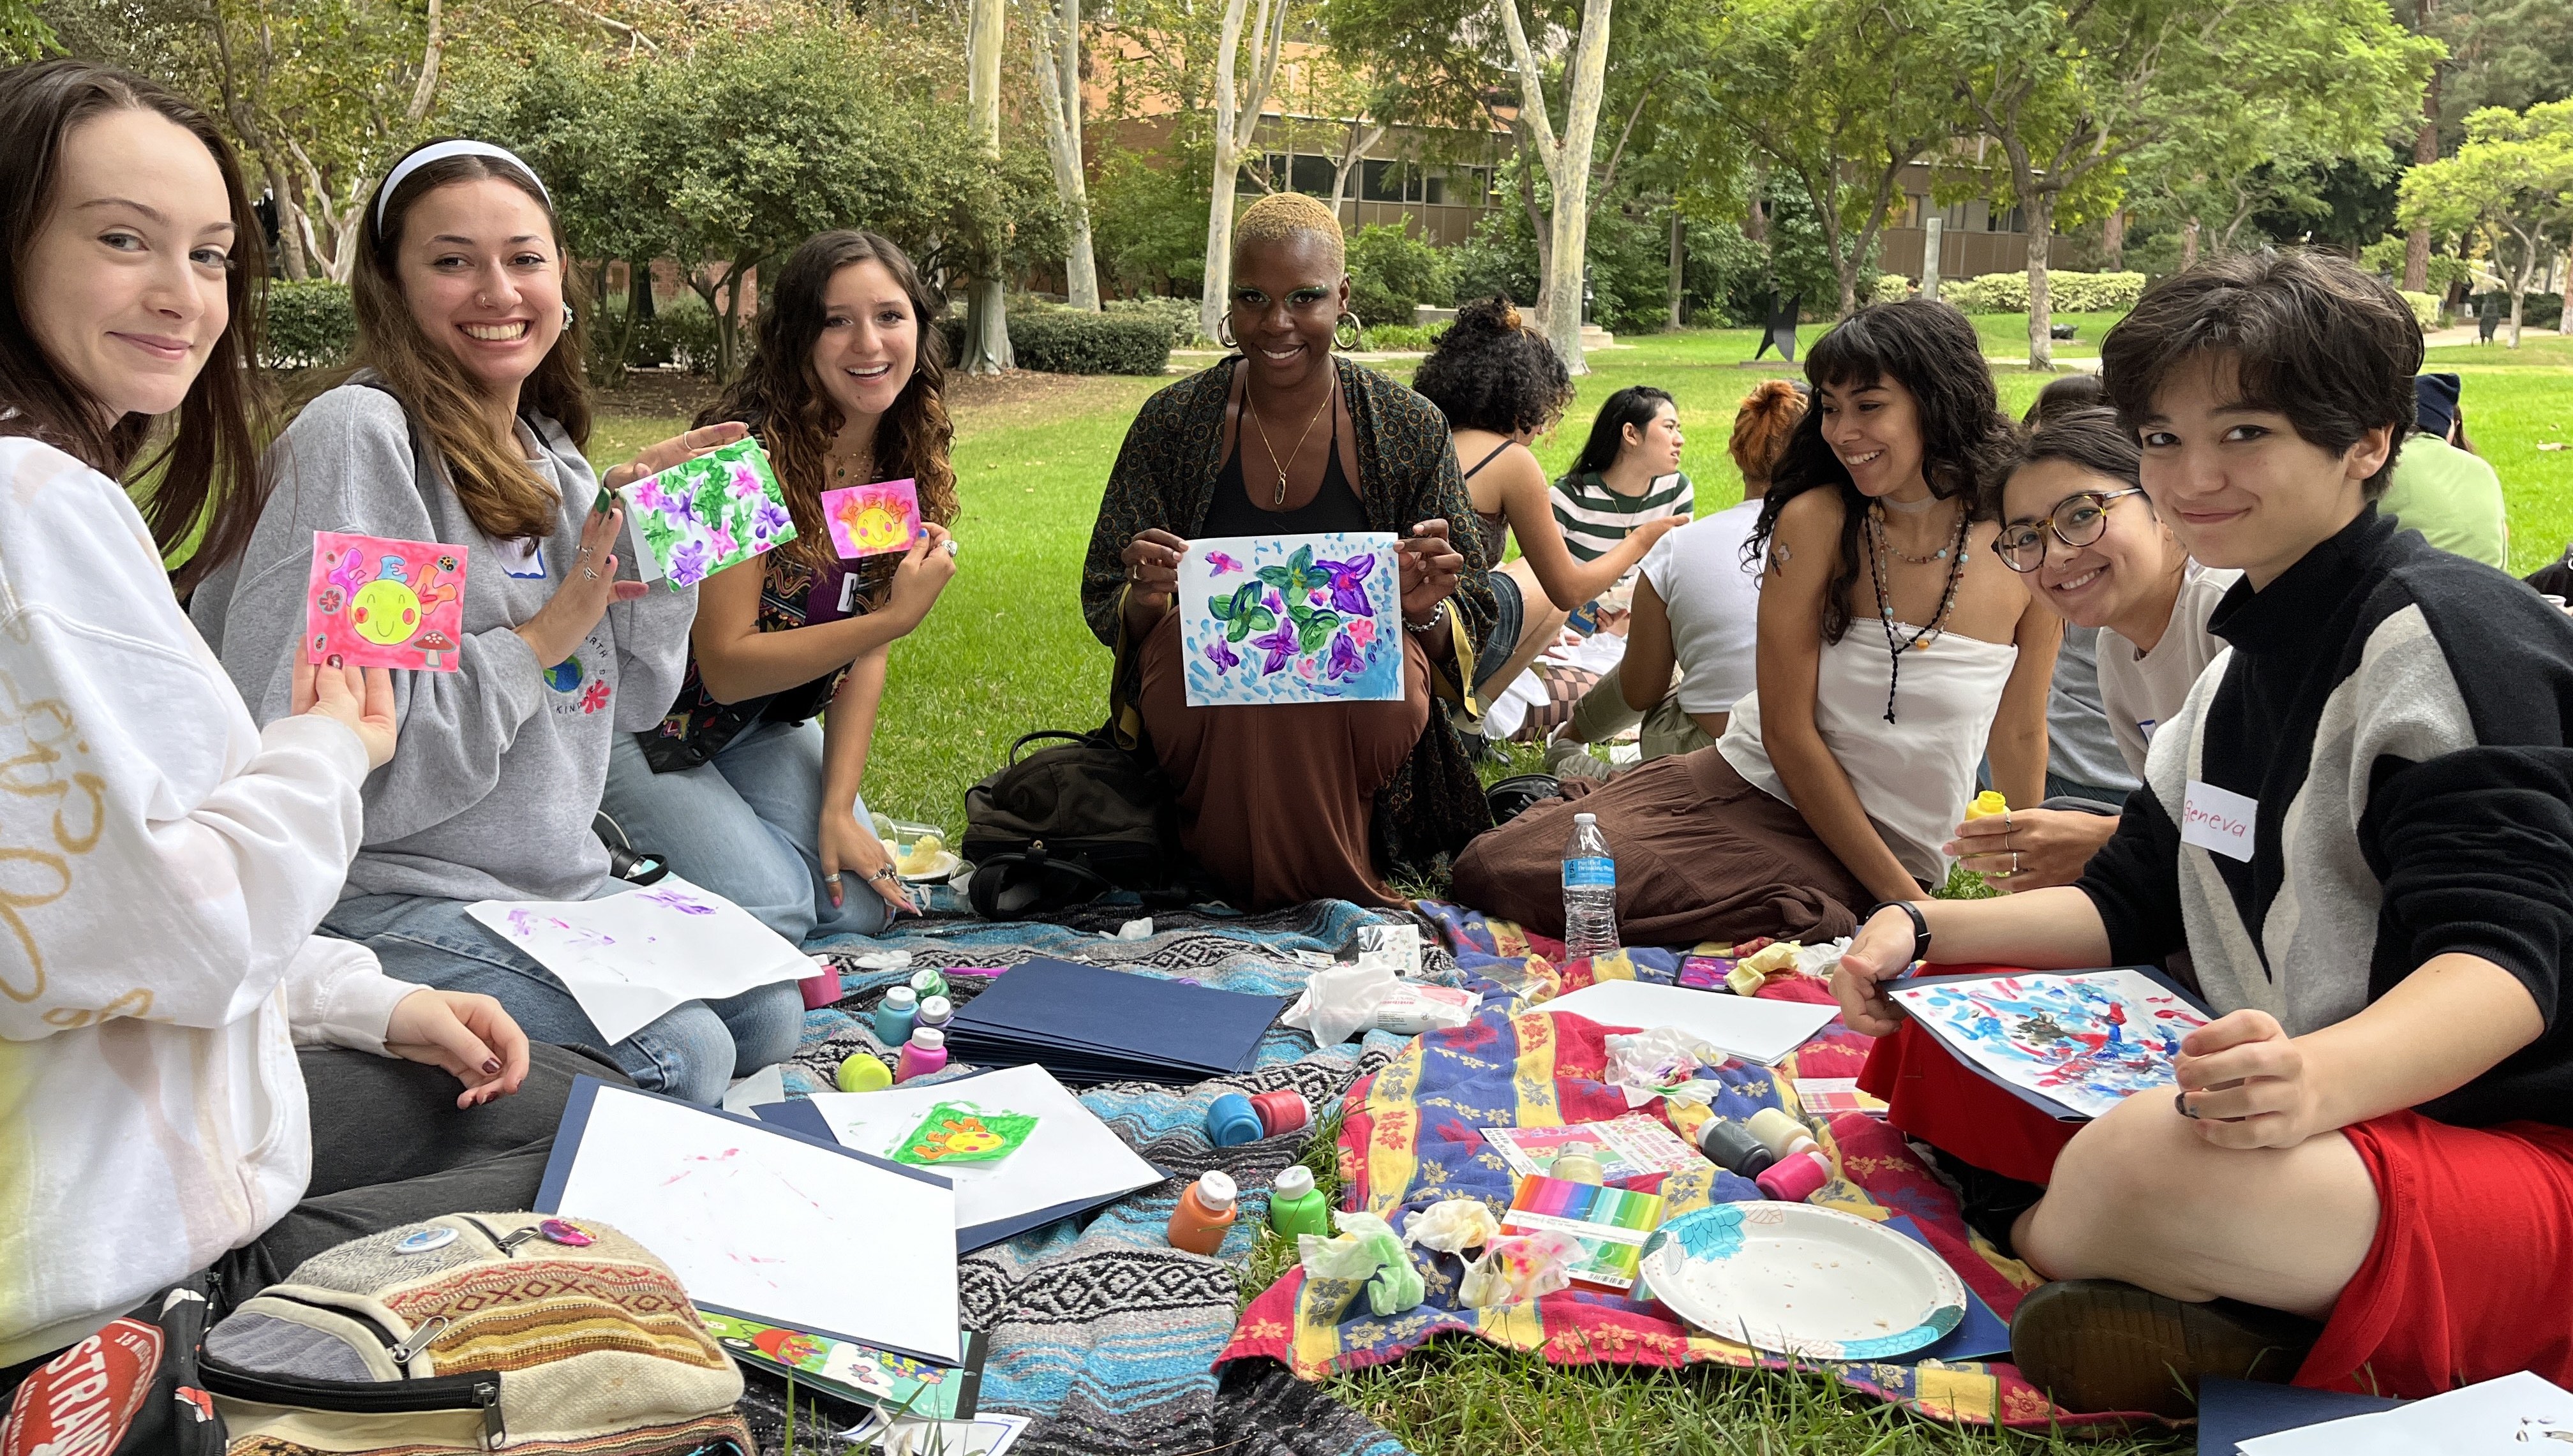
{"type": "Point", "coordinates": [1276, 800]}
{"type": "Point", "coordinates": [1702, 855]}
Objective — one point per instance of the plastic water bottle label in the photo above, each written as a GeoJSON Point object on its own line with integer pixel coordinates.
{"type": "Point", "coordinates": [1590, 871]}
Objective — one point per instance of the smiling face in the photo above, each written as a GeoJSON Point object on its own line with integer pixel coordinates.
{"type": "Point", "coordinates": [1656, 445]}
{"type": "Point", "coordinates": [2236, 483]}
{"type": "Point", "coordinates": [2105, 583]}
{"type": "Point", "coordinates": [125, 281]}
{"type": "Point", "coordinates": [870, 340]}
{"type": "Point", "coordinates": [479, 267]}
{"type": "Point", "coordinates": [1874, 426]}
{"type": "Point", "coordinates": [1286, 300]}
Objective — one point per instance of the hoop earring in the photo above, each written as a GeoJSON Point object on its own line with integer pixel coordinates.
{"type": "Point", "coordinates": [566, 317]}
{"type": "Point", "coordinates": [1224, 332]}
{"type": "Point", "coordinates": [1357, 331]}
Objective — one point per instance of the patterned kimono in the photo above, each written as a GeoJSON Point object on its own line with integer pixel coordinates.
{"type": "Point", "coordinates": [1165, 478]}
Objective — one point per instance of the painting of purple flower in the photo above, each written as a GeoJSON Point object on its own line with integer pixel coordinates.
{"type": "Point", "coordinates": [1279, 645]}
{"type": "Point", "coordinates": [1343, 660]}
{"type": "Point", "coordinates": [769, 518]}
{"type": "Point", "coordinates": [1221, 653]}
{"type": "Point", "coordinates": [1349, 592]}
{"type": "Point", "coordinates": [688, 567]}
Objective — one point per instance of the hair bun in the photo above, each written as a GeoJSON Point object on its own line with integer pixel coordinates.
{"type": "Point", "coordinates": [1494, 315]}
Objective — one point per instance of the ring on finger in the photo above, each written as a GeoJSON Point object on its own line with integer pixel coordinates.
{"type": "Point", "coordinates": [588, 573]}
{"type": "Point", "coordinates": [2013, 862]}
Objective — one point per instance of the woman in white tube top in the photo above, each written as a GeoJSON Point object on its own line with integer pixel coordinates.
{"type": "Point", "coordinates": [1896, 653]}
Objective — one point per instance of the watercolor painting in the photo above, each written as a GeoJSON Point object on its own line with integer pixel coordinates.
{"type": "Point", "coordinates": [2088, 1042]}
{"type": "Point", "coordinates": [702, 515]}
{"type": "Point", "coordinates": [1292, 620]}
{"type": "Point", "coordinates": [955, 1132]}
{"type": "Point", "coordinates": [855, 1371]}
{"type": "Point", "coordinates": [376, 602]}
{"type": "Point", "coordinates": [870, 520]}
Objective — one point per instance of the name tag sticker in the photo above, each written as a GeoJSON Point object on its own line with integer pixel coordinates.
{"type": "Point", "coordinates": [2218, 820]}
{"type": "Point", "coordinates": [524, 560]}
{"type": "Point", "coordinates": [848, 593]}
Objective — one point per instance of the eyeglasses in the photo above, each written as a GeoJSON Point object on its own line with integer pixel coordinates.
{"type": "Point", "coordinates": [2077, 521]}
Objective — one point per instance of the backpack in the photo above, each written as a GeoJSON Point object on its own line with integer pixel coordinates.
{"type": "Point", "coordinates": [1069, 823]}
{"type": "Point", "coordinates": [475, 1332]}
{"type": "Point", "coordinates": [131, 1390]}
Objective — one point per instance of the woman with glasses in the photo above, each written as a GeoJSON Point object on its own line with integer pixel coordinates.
{"type": "Point", "coordinates": [1893, 652]}
{"type": "Point", "coordinates": [2077, 528]}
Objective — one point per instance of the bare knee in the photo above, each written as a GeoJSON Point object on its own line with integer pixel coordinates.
{"type": "Point", "coordinates": [2125, 1195]}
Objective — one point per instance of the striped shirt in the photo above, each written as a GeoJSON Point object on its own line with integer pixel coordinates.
{"type": "Point", "coordinates": [1594, 519]}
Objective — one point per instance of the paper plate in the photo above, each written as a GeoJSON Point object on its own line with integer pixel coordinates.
{"type": "Point", "coordinates": [1801, 1280]}
{"type": "Point", "coordinates": [941, 869]}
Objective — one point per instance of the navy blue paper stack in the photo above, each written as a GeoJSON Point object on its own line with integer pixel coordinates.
{"type": "Point", "coordinates": [1088, 1024]}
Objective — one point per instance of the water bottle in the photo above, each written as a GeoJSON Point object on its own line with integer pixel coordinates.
{"type": "Point", "coordinates": [1589, 892]}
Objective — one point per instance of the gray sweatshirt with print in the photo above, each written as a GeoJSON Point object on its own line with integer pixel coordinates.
{"type": "Point", "coordinates": [492, 792]}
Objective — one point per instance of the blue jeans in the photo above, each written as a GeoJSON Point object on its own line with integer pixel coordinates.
{"type": "Point", "coordinates": [747, 824]}
{"type": "Point", "coordinates": [2057, 787]}
{"type": "Point", "coordinates": [692, 1052]}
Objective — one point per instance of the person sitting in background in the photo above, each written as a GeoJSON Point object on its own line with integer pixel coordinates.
{"type": "Point", "coordinates": [738, 790]}
{"type": "Point", "coordinates": [1300, 801]}
{"type": "Point", "coordinates": [2076, 525]}
{"type": "Point", "coordinates": [1895, 651]}
{"type": "Point", "coordinates": [2441, 489]}
{"type": "Point", "coordinates": [2082, 759]}
{"type": "Point", "coordinates": [1501, 385]}
{"type": "Point", "coordinates": [463, 423]}
{"type": "Point", "coordinates": [1696, 613]}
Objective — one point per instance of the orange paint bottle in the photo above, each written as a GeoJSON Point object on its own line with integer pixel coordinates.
{"type": "Point", "coordinates": [1205, 1213]}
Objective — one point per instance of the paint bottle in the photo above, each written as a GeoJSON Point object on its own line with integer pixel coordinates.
{"type": "Point", "coordinates": [935, 1010]}
{"type": "Point", "coordinates": [1280, 1111]}
{"type": "Point", "coordinates": [895, 1014]}
{"type": "Point", "coordinates": [1296, 1207]}
{"type": "Point", "coordinates": [1776, 1130]}
{"type": "Point", "coordinates": [822, 987]}
{"type": "Point", "coordinates": [1204, 1214]}
{"type": "Point", "coordinates": [1733, 1149]}
{"type": "Point", "coordinates": [861, 1072]}
{"type": "Point", "coordinates": [1987, 804]}
{"type": "Point", "coordinates": [928, 983]}
{"type": "Point", "coordinates": [924, 1054]}
{"type": "Point", "coordinates": [1231, 1122]}
{"type": "Point", "coordinates": [1797, 1179]}
{"type": "Point", "coordinates": [1577, 1163]}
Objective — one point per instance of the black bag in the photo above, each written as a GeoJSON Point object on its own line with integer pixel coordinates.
{"type": "Point", "coordinates": [1069, 823]}
{"type": "Point", "coordinates": [131, 1390]}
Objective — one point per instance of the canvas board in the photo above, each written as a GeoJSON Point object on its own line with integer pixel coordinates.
{"type": "Point", "coordinates": [1292, 620]}
{"type": "Point", "coordinates": [629, 957]}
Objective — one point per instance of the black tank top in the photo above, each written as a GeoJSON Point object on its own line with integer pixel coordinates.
{"type": "Point", "coordinates": [1334, 507]}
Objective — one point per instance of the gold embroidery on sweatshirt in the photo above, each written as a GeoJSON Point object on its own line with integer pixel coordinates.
{"type": "Point", "coordinates": [41, 758]}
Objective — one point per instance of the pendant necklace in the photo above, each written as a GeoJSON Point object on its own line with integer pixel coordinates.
{"type": "Point", "coordinates": [1279, 500]}
{"type": "Point", "coordinates": [1879, 572]}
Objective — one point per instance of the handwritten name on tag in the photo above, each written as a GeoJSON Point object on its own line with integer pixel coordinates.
{"type": "Point", "coordinates": [2218, 820]}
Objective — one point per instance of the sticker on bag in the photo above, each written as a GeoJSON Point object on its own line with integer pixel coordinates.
{"type": "Point", "coordinates": [84, 1400]}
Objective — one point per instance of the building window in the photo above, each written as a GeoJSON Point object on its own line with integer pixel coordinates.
{"type": "Point", "coordinates": [1313, 175]}
{"type": "Point", "coordinates": [1380, 181]}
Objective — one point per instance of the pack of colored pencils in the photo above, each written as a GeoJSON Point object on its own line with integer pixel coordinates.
{"type": "Point", "coordinates": [1611, 1223]}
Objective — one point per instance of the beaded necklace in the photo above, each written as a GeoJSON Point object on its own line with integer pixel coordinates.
{"type": "Point", "coordinates": [1879, 572]}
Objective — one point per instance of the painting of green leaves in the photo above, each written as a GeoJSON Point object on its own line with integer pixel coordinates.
{"type": "Point", "coordinates": [702, 515]}
{"type": "Point", "coordinates": [1292, 620]}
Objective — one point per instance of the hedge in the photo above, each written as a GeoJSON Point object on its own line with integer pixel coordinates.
{"type": "Point", "coordinates": [1886, 288]}
{"type": "Point", "coordinates": [1400, 337]}
{"type": "Point", "coordinates": [1072, 341]}
{"type": "Point", "coordinates": [310, 325]}
{"type": "Point", "coordinates": [1181, 315]}
{"type": "Point", "coordinates": [2072, 293]}
{"type": "Point", "coordinates": [2425, 308]}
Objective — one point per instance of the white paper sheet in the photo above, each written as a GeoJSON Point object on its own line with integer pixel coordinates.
{"type": "Point", "coordinates": [630, 957]}
{"type": "Point", "coordinates": [1072, 1157]}
{"type": "Point", "coordinates": [2517, 1415]}
{"type": "Point", "coordinates": [772, 1227]}
{"type": "Point", "coordinates": [1737, 1026]}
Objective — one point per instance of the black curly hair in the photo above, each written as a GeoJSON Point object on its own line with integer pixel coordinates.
{"type": "Point", "coordinates": [1491, 371]}
{"type": "Point", "coordinates": [1966, 440]}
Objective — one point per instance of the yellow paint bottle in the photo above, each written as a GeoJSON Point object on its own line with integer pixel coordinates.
{"type": "Point", "coordinates": [1987, 804]}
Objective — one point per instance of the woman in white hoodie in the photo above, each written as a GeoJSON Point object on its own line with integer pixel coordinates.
{"type": "Point", "coordinates": [163, 861]}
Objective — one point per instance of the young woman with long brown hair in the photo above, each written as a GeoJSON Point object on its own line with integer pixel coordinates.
{"type": "Point", "coordinates": [736, 788]}
{"type": "Point", "coordinates": [464, 424]}
{"type": "Point", "coordinates": [170, 1020]}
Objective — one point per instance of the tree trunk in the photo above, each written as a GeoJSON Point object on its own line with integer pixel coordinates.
{"type": "Point", "coordinates": [2425, 149]}
{"type": "Point", "coordinates": [1568, 163]}
{"type": "Point", "coordinates": [1363, 139]}
{"type": "Point", "coordinates": [2040, 300]}
{"type": "Point", "coordinates": [987, 322]}
{"type": "Point", "coordinates": [1933, 245]}
{"type": "Point", "coordinates": [290, 221]}
{"type": "Point", "coordinates": [2189, 231]}
{"type": "Point", "coordinates": [1059, 102]}
{"type": "Point", "coordinates": [1679, 260]}
{"type": "Point", "coordinates": [1529, 162]}
{"type": "Point", "coordinates": [425, 92]}
{"type": "Point", "coordinates": [2112, 240]}
{"type": "Point", "coordinates": [1219, 257]}
{"type": "Point", "coordinates": [1237, 121]}
{"type": "Point", "coordinates": [729, 325]}
{"type": "Point", "coordinates": [1755, 221]}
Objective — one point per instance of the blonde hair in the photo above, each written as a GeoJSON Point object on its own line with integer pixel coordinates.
{"type": "Point", "coordinates": [1283, 217]}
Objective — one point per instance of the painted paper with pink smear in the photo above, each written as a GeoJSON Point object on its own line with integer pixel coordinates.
{"type": "Point", "coordinates": [872, 519]}
{"type": "Point", "coordinates": [699, 516]}
{"type": "Point", "coordinates": [2086, 1041]}
{"type": "Point", "coordinates": [630, 957]}
{"type": "Point", "coordinates": [373, 601]}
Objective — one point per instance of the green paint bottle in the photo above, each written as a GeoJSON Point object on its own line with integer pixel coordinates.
{"type": "Point", "coordinates": [1296, 1207]}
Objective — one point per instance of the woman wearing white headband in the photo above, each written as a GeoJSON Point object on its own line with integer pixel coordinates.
{"type": "Point", "coordinates": [464, 424]}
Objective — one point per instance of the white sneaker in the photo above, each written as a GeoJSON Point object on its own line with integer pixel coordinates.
{"type": "Point", "coordinates": [1566, 759]}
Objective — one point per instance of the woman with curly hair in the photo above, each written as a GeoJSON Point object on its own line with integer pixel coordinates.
{"type": "Point", "coordinates": [1300, 801]}
{"type": "Point", "coordinates": [1501, 385]}
{"type": "Point", "coordinates": [737, 789]}
{"type": "Point", "coordinates": [1895, 651]}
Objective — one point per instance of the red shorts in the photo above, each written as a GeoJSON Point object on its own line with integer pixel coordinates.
{"type": "Point", "coordinates": [2470, 1275]}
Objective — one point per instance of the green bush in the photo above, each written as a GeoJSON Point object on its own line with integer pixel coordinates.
{"type": "Point", "coordinates": [1057, 340]}
{"type": "Point", "coordinates": [1887, 287]}
{"type": "Point", "coordinates": [1391, 273]}
{"type": "Point", "coordinates": [1180, 314]}
{"type": "Point", "coordinates": [2072, 293]}
{"type": "Point", "coordinates": [681, 332]}
{"type": "Point", "coordinates": [1400, 335]}
{"type": "Point", "coordinates": [310, 325]}
{"type": "Point", "coordinates": [2425, 308]}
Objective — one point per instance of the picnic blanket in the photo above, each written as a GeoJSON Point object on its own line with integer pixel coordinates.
{"type": "Point", "coordinates": [1101, 1331]}
{"type": "Point", "coordinates": [1408, 1138]}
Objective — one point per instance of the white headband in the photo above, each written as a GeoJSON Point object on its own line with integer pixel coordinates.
{"type": "Point", "coordinates": [440, 152]}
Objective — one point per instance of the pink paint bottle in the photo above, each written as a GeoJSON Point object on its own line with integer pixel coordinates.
{"type": "Point", "coordinates": [1796, 1178]}
{"type": "Point", "coordinates": [924, 1054]}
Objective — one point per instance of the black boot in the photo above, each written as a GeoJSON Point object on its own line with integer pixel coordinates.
{"type": "Point", "coordinates": [2099, 1345]}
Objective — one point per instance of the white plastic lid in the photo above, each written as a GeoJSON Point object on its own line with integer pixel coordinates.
{"type": "Point", "coordinates": [928, 1039]}
{"type": "Point", "coordinates": [1216, 1190]}
{"type": "Point", "coordinates": [1585, 818]}
{"type": "Point", "coordinates": [902, 997]}
{"type": "Point", "coordinates": [937, 1009]}
{"type": "Point", "coordinates": [1294, 1182]}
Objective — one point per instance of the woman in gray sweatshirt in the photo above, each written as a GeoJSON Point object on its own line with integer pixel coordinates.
{"type": "Point", "coordinates": [465, 426]}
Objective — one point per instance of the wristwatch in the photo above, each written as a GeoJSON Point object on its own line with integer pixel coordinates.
{"type": "Point", "coordinates": [1920, 924]}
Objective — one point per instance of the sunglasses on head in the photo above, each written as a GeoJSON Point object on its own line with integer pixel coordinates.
{"type": "Point", "coordinates": [2077, 521]}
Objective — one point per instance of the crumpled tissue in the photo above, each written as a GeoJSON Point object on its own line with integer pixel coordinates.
{"type": "Point", "coordinates": [1365, 1248]}
{"type": "Point", "coordinates": [1518, 1267]}
{"type": "Point", "coordinates": [1452, 1225]}
{"type": "Point", "coordinates": [1339, 1004]}
{"type": "Point", "coordinates": [1661, 1063]}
